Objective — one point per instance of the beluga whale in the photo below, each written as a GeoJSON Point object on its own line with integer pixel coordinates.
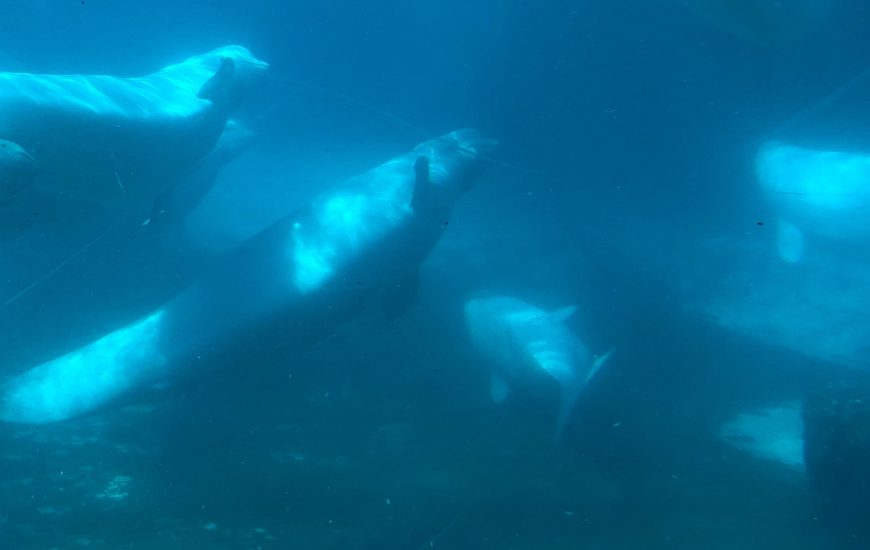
{"type": "Point", "coordinates": [816, 192]}
{"type": "Point", "coordinates": [292, 284]}
{"type": "Point", "coordinates": [108, 139]}
{"type": "Point", "coordinates": [519, 339]}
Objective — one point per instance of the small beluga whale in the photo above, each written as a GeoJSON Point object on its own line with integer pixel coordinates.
{"type": "Point", "coordinates": [518, 339]}
{"type": "Point", "coordinates": [105, 138]}
{"type": "Point", "coordinates": [826, 193]}
{"type": "Point", "coordinates": [292, 284]}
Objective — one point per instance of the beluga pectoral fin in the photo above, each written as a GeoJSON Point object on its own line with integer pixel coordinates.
{"type": "Point", "coordinates": [422, 185]}
{"type": "Point", "coordinates": [428, 200]}
{"type": "Point", "coordinates": [219, 88]}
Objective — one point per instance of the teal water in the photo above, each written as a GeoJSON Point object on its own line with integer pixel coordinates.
{"type": "Point", "coordinates": [624, 183]}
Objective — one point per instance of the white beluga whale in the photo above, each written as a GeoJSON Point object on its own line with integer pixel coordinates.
{"type": "Point", "coordinates": [292, 284]}
{"type": "Point", "coordinates": [518, 338]}
{"type": "Point", "coordinates": [17, 170]}
{"type": "Point", "coordinates": [106, 138]}
{"type": "Point", "coordinates": [825, 193]}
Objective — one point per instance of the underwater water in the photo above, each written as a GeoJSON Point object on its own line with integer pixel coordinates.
{"type": "Point", "coordinates": [233, 298]}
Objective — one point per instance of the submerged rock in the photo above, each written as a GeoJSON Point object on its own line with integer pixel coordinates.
{"type": "Point", "coordinates": [773, 433]}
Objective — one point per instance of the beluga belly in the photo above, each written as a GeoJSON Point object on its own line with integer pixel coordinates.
{"type": "Point", "coordinates": [292, 284]}
{"type": "Point", "coordinates": [518, 339]}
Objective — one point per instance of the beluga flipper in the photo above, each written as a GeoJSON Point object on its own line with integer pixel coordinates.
{"type": "Point", "coordinates": [217, 87]}
{"type": "Point", "coordinates": [397, 298]}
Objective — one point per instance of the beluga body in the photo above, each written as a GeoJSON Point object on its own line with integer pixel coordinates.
{"type": "Point", "coordinates": [292, 284]}
{"type": "Point", "coordinates": [107, 138]}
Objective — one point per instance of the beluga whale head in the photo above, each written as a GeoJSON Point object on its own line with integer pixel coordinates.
{"type": "Point", "coordinates": [223, 75]}
{"type": "Point", "coordinates": [247, 67]}
{"type": "Point", "coordinates": [17, 169]}
{"type": "Point", "coordinates": [451, 163]}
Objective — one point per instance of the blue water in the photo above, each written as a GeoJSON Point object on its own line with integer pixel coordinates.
{"type": "Point", "coordinates": [623, 183]}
